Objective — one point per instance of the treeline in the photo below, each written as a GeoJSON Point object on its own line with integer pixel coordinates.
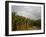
{"type": "Point", "coordinates": [22, 23]}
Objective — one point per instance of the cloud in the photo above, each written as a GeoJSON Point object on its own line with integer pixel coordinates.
{"type": "Point", "coordinates": [32, 12]}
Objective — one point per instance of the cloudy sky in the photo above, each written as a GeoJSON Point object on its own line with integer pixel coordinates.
{"type": "Point", "coordinates": [32, 12]}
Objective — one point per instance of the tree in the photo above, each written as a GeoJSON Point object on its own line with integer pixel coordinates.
{"type": "Point", "coordinates": [13, 21]}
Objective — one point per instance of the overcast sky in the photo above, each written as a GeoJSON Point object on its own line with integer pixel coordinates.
{"type": "Point", "coordinates": [32, 12]}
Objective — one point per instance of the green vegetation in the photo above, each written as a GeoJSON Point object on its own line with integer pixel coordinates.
{"type": "Point", "coordinates": [23, 23]}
